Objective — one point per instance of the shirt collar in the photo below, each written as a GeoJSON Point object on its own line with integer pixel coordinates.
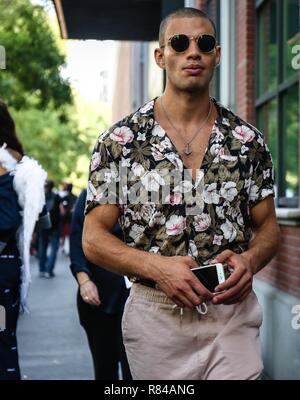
{"type": "Point", "coordinates": [147, 112]}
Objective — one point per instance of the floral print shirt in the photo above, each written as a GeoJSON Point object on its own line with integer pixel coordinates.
{"type": "Point", "coordinates": [236, 174]}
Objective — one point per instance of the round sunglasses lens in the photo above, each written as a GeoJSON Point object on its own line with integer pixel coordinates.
{"type": "Point", "coordinates": [206, 43]}
{"type": "Point", "coordinates": [180, 43]}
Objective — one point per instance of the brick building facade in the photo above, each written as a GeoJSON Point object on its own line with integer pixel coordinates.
{"type": "Point", "coordinates": [278, 284]}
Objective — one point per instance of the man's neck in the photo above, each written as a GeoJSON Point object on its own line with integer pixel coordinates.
{"type": "Point", "coordinates": [185, 107]}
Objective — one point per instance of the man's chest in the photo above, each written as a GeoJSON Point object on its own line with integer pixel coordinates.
{"type": "Point", "coordinates": [159, 167]}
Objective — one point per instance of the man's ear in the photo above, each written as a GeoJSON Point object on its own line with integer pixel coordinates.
{"type": "Point", "coordinates": [159, 57]}
{"type": "Point", "coordinates": [218, 56]}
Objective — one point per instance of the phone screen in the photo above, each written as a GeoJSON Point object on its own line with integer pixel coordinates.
{"type": "Point", "coordinates": [210, 276]}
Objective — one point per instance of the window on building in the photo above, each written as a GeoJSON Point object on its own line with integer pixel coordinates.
{"type": "Point", "coordinates": [267, 122]}
{"type": "Point", "coordinates": [291, 34]}
{"type": "Point", "coordinates": [267, 48]}
{"type": "Point", "coordinates": [277, 92]}
{"type": "Point", "coordinates": [290, 118]}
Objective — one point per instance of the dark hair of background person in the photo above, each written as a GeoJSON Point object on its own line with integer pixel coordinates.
{"type": "Point", "coordinates": [49, 185]}
{"type": "Point", "coordinates": [186, 12]}
{"type": "Point", "coordinates": [69, 187]}
{"type": "Point", "coordinates": [8, 133]}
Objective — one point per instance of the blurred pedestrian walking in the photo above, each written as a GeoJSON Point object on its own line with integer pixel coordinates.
{"type": "Point", "coordinates": [100, 300]}
{"type": "Point", "coordinates": [68, 200]}
{"type": "Point", "coordinates": [48, 239]}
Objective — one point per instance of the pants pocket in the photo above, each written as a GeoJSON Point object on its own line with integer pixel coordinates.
{"type": "Point", "coordinates": [126, 311]}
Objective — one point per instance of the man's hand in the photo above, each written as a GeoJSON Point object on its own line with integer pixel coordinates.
{"type": "Point", "coordinates": [89, 293]}
{"type": "Point", "coordinates": [239, 284]}
{"type": "Point", "coordinates": [175, 278]}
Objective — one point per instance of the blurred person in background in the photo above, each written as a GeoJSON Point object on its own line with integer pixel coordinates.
{"type": "Point", "coordinates": [68, 200]}
{"type": "Point", "coordinates": [22, 200]}
{"type": "Point", "coordinates": [100, 300]}
{"type": "Point", "coordinates": [50, 237]}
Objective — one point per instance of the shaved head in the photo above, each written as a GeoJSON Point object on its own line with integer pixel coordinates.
{"type": "Point", "coordinates": [186, 12]}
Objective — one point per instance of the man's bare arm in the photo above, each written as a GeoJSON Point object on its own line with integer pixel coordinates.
{"type": "Point", "coordinates": [264, 245]}
{"type": "Point", "coordinates": [101, 247]}
{"type": "Point", "coordinates": [172, 274]}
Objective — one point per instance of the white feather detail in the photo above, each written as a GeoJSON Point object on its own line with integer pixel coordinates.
{"type": "Point", "coordinates": [29, 181]}
{"type": "Point", "coordinates": [6, 159]}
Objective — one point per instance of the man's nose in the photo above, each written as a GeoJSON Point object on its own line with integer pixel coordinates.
{"type": "Point", "coordinates": [193, 50]}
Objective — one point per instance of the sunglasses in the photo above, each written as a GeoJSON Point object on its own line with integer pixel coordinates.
{"type": "Point", "coordinates": [180, 43]}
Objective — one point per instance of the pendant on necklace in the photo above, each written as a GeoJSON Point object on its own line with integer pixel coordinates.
{"type": "Point", "coordinates": [187, 149]}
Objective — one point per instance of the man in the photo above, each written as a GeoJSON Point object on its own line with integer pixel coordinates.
{"type": "Point", "coordinates": [164, 334]}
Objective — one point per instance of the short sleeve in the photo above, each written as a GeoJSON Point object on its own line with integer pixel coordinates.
{"type": "Point", "coordinates": [262, 181]}
{"type": "Point", "coordinates": [103, 178]}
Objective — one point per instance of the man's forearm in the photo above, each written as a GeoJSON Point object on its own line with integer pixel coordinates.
{"type": "Point", "coordinates": [113, 254]}
{"type": "Point", "coordinates": [263, 247]}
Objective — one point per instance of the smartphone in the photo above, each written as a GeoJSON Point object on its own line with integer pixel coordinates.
{"type": "Point", "coordinates": [210, 275]}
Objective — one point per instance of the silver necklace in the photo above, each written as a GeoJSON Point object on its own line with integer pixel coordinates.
{"type": "Point", "coordinates": [187, 147]}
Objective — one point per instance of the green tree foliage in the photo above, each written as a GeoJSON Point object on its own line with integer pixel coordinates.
{"type": "Point", "coordinates": [63, 149]}
{"type": "Point", "coordinates": [56, 130]}
{"type": "Point", "coordinates": [33, 61]}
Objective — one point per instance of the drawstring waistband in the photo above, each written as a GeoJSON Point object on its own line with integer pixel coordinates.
{"type": "Point", "coordinates": [157, 296]}
{"type": "Point", "coordinates": [201, 309]}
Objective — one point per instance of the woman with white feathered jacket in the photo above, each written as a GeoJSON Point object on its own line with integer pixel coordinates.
{"type": "Point", "coordinates": [22, 201]}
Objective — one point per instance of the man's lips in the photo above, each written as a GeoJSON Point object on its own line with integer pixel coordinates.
{"type": "Point", "coordinates": [193, 69]}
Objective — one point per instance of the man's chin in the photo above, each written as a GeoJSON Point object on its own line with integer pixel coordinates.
{"type": "Point", "coordinates": [194, 88]}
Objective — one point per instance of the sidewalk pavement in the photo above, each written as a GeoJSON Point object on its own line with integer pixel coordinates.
{"type": "Point", "coordinates": [52, 344]}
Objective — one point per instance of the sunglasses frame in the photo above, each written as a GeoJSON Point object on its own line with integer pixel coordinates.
{"type": "Point", "coordinates": [196, 38]}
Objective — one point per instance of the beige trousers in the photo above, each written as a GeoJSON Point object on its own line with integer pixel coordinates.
{"type": "Point", "coordinates": [163, 344]}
